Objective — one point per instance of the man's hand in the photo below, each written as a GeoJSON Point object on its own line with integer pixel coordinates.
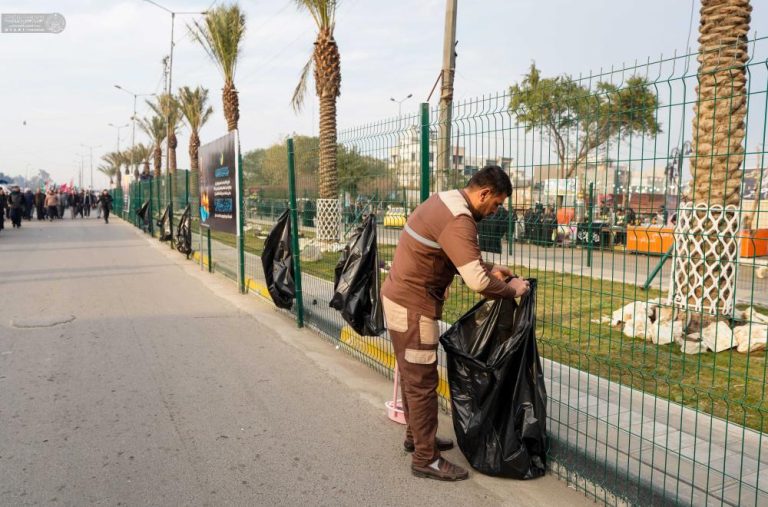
{"type": "Point", "coordinates": [502, 272]}
{"type": "Point", "coordinates": [520, 286]}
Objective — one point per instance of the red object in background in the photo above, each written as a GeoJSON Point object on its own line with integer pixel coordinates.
{"type": "Point", "coordinates": [565, 215]}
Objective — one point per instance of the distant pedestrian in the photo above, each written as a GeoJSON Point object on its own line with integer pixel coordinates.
{"type": "Point", "coordinates": [40, 204]}
{"type": "Point", "coordinates": [3, 207]}
{"type": "Point", "coordinates": [62, 204]}
{"type": "Point", "coordinates": [29, 203]}
{"type": "Point", "coordinates": [52, 204]}
{"type": "Point", "coordinates": [16, 203]}
{"type": "Point", "coordinates": [106, 205]}
{"type": "Point", "coordinates": [88, 203]}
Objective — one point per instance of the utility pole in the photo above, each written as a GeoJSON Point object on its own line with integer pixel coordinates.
{"type": "Point", "coordinates": [445, 114]}
{"type": "Point", "coordinates": [90, 148]}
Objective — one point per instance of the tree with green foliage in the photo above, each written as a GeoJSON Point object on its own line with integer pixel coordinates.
{"type": "Point", "coordinates": [580, 121]}
{"type": "Point", "coordinates": [221, 36]}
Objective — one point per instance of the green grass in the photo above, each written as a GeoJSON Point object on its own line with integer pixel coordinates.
{"type": "Point", "coordinates": [729, 385]}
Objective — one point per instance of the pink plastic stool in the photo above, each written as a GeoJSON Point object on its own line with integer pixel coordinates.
{"type": "Point", "coordinates": [395, 407]}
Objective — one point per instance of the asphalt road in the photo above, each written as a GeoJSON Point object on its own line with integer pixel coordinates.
{"type": "Point", "coordinates": [129, 377]}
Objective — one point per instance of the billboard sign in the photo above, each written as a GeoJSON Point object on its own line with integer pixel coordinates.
{"type": "Point", "coordinates": [219, 166]}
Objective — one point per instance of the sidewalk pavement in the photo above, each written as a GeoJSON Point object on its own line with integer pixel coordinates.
{"type": "Point", "coordinates": [128, 376]}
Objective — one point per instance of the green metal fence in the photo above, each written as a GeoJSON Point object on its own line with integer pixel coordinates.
{"type": "Point", "coordinates": [640, 411]}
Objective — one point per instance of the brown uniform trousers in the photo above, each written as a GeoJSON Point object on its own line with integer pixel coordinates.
{"type": "Point", "coordinates": [415, 339]}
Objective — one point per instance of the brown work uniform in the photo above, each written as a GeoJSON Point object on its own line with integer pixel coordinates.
{"type": "Point", "coordinates": [438, 241]}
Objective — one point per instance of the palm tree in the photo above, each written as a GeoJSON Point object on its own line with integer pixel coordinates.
{"type": "Point", "coordinates": [155, 128]}
{"type": "Point", "coordinates": [167, 107]}
{"type": "Point", "coordinates": [114, 160]}
{"type": "Point", "coordinates": [326, 62]}
{"type": "Point", "coordinates": [718, 136]}
{"type": "Point", "coordinates": [141, 154]}
{"type": "Point", "coordinates": [221, 36]}
{"type": "Point", "coordinates": [108, 171]}
{"type": "Point", "coordinates": [194, 106]}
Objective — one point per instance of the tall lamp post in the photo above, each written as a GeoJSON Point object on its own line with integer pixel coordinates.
{"type": "Point", "coordinates": [118, 127]}
{"type": "Point", "coordinates": [133, 118]}
{"type": "Point", "coordinates": [400, 149]}
{"type": "Point", "coordinates": [400, 103]}
{"type": "Point", "coordinates": [168, 91]}
{"type": "Point", "coordinates": [90, 148]}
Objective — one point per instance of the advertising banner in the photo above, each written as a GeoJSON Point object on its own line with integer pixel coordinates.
{"type": "Point", "coordinates": [219, 206]}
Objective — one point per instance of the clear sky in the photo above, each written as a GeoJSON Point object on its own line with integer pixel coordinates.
{"type": "Point", "coordinates": [62, 85]}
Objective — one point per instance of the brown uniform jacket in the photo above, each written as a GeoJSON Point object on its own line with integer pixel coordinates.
{"type": "Point", "coordinates": [438, 241]}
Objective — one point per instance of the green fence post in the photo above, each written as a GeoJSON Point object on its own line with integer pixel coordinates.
{"type": "Point", "coordinates": [170, 207]}
{"type": "Point", "coordinates": [241, 214]}
{"type": "Point", "coordinates": [186, 188]}
{"type": "Point", "coordinates": [149, 211]}
{"type": "Point", "coordinates": [424, 195]}
{"type": "Point", "coordinates": [295, 235]}
{"type": "Point", "coordinates": [590, 205]}
{"type": "Point", "coordinates": [210, 252]}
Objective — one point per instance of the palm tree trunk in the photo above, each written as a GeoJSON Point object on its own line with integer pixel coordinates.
{"type": "Point", "coordinates": [194, 160]}
{"type": "Point", "coordinates": [158, 161]}
{"type": "Point", "coordinates": [329, 186]}
{"type": "Point", "coordinates": [706, 235]}
{"type": "Point", "coordinates": [146, 167]}
{"type": "Point", "coordinates": [172, 144]}
{"type": "Point", "coordinates": [231, 105]}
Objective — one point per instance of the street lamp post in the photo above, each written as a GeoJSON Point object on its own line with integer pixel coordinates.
{"type": "Point", "coordinates": [168, 91]}
{"type": "Point", "coordinates": [400, 103]}
{"type": "Point", "coordinates": [118, 127]}
{"type": "Point", "coordinates": [133, 118]}
{"type": "Point", "coordinates": [91, 147]}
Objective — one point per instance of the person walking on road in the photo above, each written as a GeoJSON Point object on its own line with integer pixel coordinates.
{"type": "Point", "coordinates": [105, 205]}
{"type": "Point", "coordinates": [87, 203]}
{"type": "Point", "coordinates": [52, 204]}
{"type": "Point", "coordinates": [62, 204]}
{"type": "Point", "coordinates": [16, 203]}
{"type": "Point", "coordinates": [438, 240]}
{"type": "Point", "coordinates": [3, 207]}
{"type": "Point", "coordinates": [29, 203]}
{"type": "Point", "coordinates": [40, 204]}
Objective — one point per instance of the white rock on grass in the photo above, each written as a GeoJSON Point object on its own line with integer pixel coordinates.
{"type": "Point", "coordinates": [718, 337]}
{"type": "Point", "coordinates": [752, 315]}
{"type": "Point", "coordinates": [750, 338]}
{"type": "Point", "coordinates": [692, 347]}
{"type": "Point", "coordinates": [662, 333]}
{"type": "Point", "coordinates": [627, 314]}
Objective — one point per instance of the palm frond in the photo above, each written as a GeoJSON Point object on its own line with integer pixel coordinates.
{"type": "Point", "coordinates": [194, 106]}
{"type": "Point", "coordinates": [323, 12]}
{"type": "Point", "coordinates": [220, 35]}
{"type": "Point", "coordinates": [297, 100]}
{"type": "Point", "coordinates": [155, 128]}
{"type": "Point", "coordinates": [167, 107]}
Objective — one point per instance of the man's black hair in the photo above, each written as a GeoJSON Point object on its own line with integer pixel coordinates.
{"type": "Point", "coordinates": [494, 177]}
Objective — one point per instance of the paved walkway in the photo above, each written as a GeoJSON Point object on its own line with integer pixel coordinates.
{"type": "Point", "coordinates": [629, 437]}
{"type": "Point", "coordinates": [129, 377]}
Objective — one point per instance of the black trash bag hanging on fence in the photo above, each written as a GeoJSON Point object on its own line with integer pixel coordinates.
{"type": "Point", "coordinates": [497, 388]}
{"type": "Point", "coordinates": [277, 261]}
{"type": "Point", "coordinates": [356, 282]}
{"type": "Point", "coordinates": [142, 210]}
{"type": "Point", "coordinates": [184, 233]}
{"type": "Point", "coordinates": [165, 226]}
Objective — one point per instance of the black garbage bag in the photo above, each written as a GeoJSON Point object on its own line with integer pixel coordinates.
{"type": "Point", "coordinates": [184, 233]}
{"type": "Point", "coordinates": [497, 388]}
{"type": "Point", "coordinates": [141, 212]}
{"type": "Point", "coordinates": [165, 225]}
{"type": "Point", "coordinates": [356, 291]}
{"type": "Point", "coordinates": [277, 261]}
